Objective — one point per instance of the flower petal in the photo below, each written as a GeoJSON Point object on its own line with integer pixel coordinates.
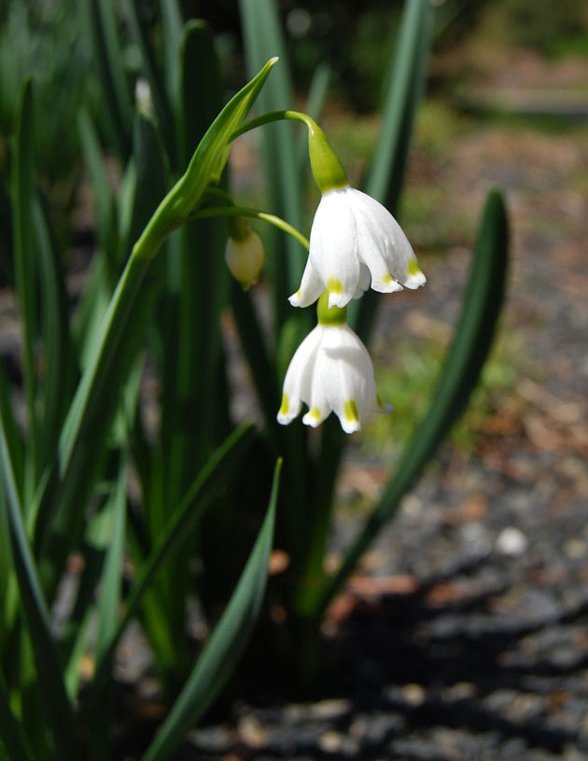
{"type": "Point", "coordinates": [310, 289]}
{"type": "Point", "coordinates": [382, 238]}
{"type": "Point", "coordinates": [333, 249]}
{"type": "Point", "coordinates": [299, 376]}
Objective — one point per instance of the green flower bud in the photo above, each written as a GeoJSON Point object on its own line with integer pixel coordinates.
{"type": "Point", "coordinates": [244, 253]}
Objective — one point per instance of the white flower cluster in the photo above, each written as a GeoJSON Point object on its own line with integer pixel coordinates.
{"type": "Point", "coordinates": [355, 243]}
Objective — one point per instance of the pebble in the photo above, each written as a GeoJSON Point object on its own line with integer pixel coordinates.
{"type": "Point", "coordinates": [511, 541]}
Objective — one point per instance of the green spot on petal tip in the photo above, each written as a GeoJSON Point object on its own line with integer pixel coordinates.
{"type": "Point", "coordinates": [285, 406]}
{"type": "Point", "coordinates": [350, 411]}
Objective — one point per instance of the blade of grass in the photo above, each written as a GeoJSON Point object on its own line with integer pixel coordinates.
{"type": "Point", "coordinates": [225, 645]}
{"type": "Point", "coordinates": [458, 377]}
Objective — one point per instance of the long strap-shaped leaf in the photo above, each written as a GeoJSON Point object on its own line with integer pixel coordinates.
{"type": "Point", "coordinates": [12, 737]}
{"type": "Point", "coordinates": [406, 78]}
{"type": "Point", "coordinates": [226, 644]}
{"type": "Point", "coordinates": [101, 26]}
{"type": "Point", "coordinates": [199, 495]}
{"type": "Point", "coordinates": [25, 268]}
{"type": "Point", "coordinates": [159, 95]}
{"type": "Point", "coordinates": [458, 378]}
{"type": "Point", "coordinates": [263, 37]}
{"type": "Point", "coordinates": [59, 710]}
{"type": "Point", "coordinates": [117, 344]}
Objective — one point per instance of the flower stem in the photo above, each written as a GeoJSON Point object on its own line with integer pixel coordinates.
{"type": "Point", "coordinates": [326, 168]}
{"type": "Point", "coordinates": [242, 211]}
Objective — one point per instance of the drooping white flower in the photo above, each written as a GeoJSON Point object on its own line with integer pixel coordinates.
{"type": "Point", "coordinates": [355, 242]}
{"type": "Point", "coordinates": [331, 371]}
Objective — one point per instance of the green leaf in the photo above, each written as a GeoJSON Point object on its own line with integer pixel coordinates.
{"type": "Point", "coordinates": [121, 334]}
{"type": "Point", "coordinates": [96, 167]}
{"type": "Point", "coordinates": [59, 371]}
{"type": "Point", "coordinates": [111, 586]}
{"type": "Point", "coordinates": [161, 102]}
{"type": "Point", "coordinates": [25, 265]}
{"type": "Point", "coordinates": [150, 180]}
{"type": "Point", "coordinates": [200, 97]}
{"type": "Point", "coordinates": [101, 25]}
{"type": "Point", "coordinates": [225, 645]}
{"type": "Point", "coordinates": [171, 27]}
{"type": "Point", "coordinates": [12, 736]}
{"type": "Point", "coordinates": [206, 167]}
{"type": "Point", "coordinates": [263, 38]}
{"type": "Point", "coordinates": [51, 685]}
{"type": "Point", "coordinates": [406, 78]}
{"type": "Point", "coordinates": [458, 378]}
{"type": "Point", "coordinates": [317, 93]}
{"type": "Point", "coordinates": [253, 342]}
{"type": "Point", "coordinates": [204, 488]}
{"type": "Point", "coordinates": [197, 281]}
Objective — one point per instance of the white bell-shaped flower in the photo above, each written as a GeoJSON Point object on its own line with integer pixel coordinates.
{"type": "Point", "coordinates": [331, 371]}
{"type": "Point", "coordinates": [355, 242]}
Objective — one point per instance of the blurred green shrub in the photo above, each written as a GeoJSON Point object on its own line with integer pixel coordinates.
{"type": "Point", "coordinates": [42, 38]}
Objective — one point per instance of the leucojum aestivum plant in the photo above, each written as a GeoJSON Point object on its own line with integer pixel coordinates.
{"type": "Point", "coordinates": [133, 482]}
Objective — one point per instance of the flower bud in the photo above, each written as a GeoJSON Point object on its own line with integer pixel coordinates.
{"type": "Point", "coordinates": [244, 253]}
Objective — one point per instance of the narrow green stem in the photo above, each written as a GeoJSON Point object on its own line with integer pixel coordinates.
{"type": "Point", "coordinates": [242, 211]}
{"type": "Point", "coordinates": [326, 168]}
{"type": "Point", "coordinates": [275, 116]}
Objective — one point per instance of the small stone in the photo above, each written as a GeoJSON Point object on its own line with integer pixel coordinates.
{"type": "Point", "coordinates": [575, 548]}
{"type": "Point", "coordinates": [511, 541]}
{"type": "Point", "coordinates": [330, 742]}
{"type": "Point", "coordinates": [252, 732]}
{"type": "Point", "coordinates": [414, 694]}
